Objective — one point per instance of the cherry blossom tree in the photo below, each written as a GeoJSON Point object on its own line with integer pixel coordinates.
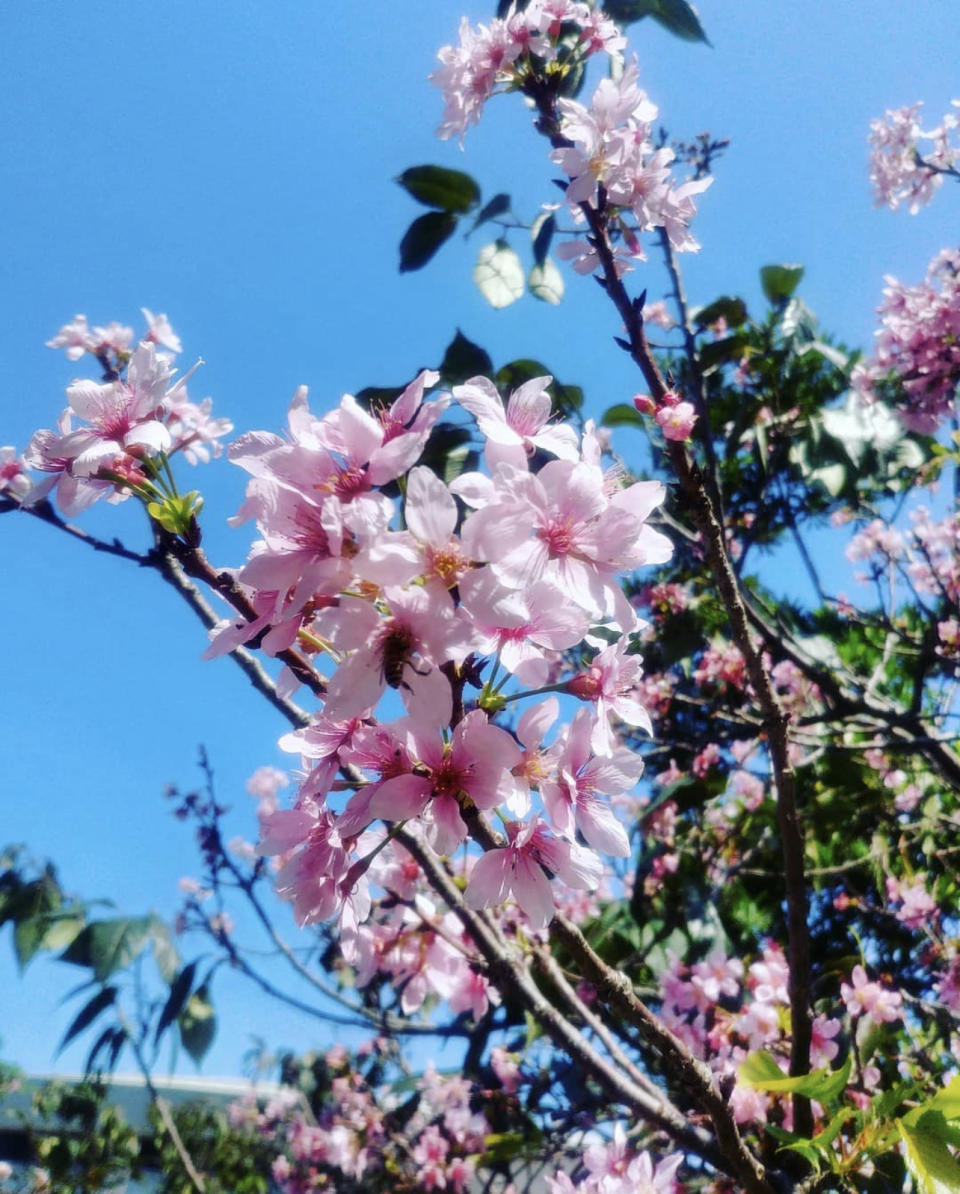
{"type": "Point", "coordinates": [579, 781]}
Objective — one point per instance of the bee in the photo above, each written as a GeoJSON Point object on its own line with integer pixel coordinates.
{"type": "Point", "coordinates": [397, 650]}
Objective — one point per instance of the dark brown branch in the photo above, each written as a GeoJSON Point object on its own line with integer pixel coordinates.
{"type": "Point", "coordinates": [168, 566]}
{"type": "Point", "coordinates": [509, 973]}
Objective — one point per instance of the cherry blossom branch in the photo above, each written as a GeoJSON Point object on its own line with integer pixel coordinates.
{"type": "Point", "coordinates": [776, 720]}
{"type": "Point", "coordinates": [45, 511]}
{"type": "Point", "coordinates": [510, 974]}
{"type": "Point", "coordinates": [168, 566]}
{"type": "Point", "coordinates": [195, 564]}
{"type": "Point", "coordinates": [702, 429]}
{"type": "Point", "coordinates": [616, 990]}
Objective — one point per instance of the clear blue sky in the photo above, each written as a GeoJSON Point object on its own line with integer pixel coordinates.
{"type": "Point", "coordinates": [231, 165]}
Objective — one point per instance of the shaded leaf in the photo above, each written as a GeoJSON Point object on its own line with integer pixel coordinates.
{"type": "Point", "coordinates": [110, 1041]}
{"type": "Point", "coordinates": [424, 237]}
{"type": "Point", "coordinates": [733, 310]}
{"type": "Point", "coordinates": [198, 1024]}
{"type": "Point", "coordinates": [436, 186]}
{"type": "Point", "coordinates": [103, 999]}
{"type": "Point", "coordinates": [542, 234]}
{"type": "Point", "coordinates": [464, 359]}
{"type": "Point", "coordinates": [109, 945]}
{"type": "Point", "coordinates": [498, 274]}
{"type": "Point", "coordinates": [177, 1000]}
{"type": "Point", "coordinates": [676, 16]}
{"type": "Point", "coordinates": [495, 207]}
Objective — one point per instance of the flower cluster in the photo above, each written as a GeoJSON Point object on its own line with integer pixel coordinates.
{"type": "Point", "coordinates": [673, 415]}
{"type": "Point", "coordinates": [516, 566]}
{"type": "Point", "coordinates": [605, 149]}
{"type": "Point", "coordinates": [918, 345]}
{"type": "Point", "coordinates": [500, 54]}
{"type": "Point", "coordinates": [351, 1138]}
{"type": "Point", "coordinates": [113, 431]}
{"type": "Point", "coordinates": [901, 169]}
{"type": "Point", "coordinates": [926, 554]}
{"type": "Point", "coordinates": [610, 146]}
{"type": "Point", "coordinates": [724, 1011]}
{"type": "Point", "coordinates": [614, 1167]}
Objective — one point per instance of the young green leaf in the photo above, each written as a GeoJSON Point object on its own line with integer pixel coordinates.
{"type": "Point", "coordinates": [780, 281]}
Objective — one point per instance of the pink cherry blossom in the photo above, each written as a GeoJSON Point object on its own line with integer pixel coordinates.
{"type": "Point", "coordinates": [572, 795]}
{"type": "Point", "coordinates": [516, 431]}
{"type": "Point", "coordinates": [518, 870]}
{"type": "Point", "coordinates": [862, 996]}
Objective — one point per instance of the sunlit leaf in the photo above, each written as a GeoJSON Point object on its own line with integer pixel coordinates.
{"type": "Point", "coordinates": [499, 274]}
{"type": "Point", "coordinates": [546, 283]}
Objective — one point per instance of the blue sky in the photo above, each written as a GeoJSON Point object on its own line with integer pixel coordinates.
{"type": "Point", "coordinates": [232, 166]}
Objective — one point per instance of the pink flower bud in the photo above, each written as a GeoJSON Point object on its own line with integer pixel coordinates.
{"type": "Point", "coordinates": [585, 686]}
{"type": "Point", "coordinates": [644, 404]}
{"type": "Point", "coordinates": [677, 422]}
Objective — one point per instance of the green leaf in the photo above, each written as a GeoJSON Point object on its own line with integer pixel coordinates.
{"type": "Point", "coordinates": [424, 236]}
{"type": "Point", "coordinates": [198, 1024]}
{"type": "Point", "coordinates": [760, 1070]}
{"type": "Point", "coordinates": [621, 415]}
{"type": "Point", "coordinates": [109, 945]}
{"type": "Point", "coordinates": [946, 1101]}
{"type": "Point", "coordinates": [780, 281]}
{"type": "Point", "coordinates": [934, 1168]}
{"type": "Point", "coordinates": [733, 310]}
{"type": "Point", "coordinates": [177, 1001]}
{"type": "Point", "coordinates": [104, 998]}
{"type": "Point", "coordinates": [463, 359]}
{"type": "Point", "coordinates": [721, 352]}
{"type": "Point", "coordinates": [435, 186]}
{"type": "Point", "coordinates": [164, 951]}
{"type": "Point", "coordinates": [546, 283]}
{"type": "Point", "coordinates": [496, 207]}
{"type": "Point", "coordinates": [498, 274]}
{"type": "Point", "coordinates": [676, 16]}
{"type": "Point", "coordinates": [542, 234]}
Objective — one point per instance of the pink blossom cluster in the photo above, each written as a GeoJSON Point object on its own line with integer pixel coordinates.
{"type": "Point", "coordinates": [614, 1166]}
{"type": "Point", "coordinates": [722, 666]}
{"type": "Point", "coordinates": [673, 416]}
{"type": "Point", "coordinates": [111, 431]}
{"type": "Point", "coordinates": [351, 1139]}
{"type": "Point", "coordinates": [516, 567]}
{"type": "Point", "coordinates": [902, 169]}
{"type": "Point", "coordinates": [918, 345]}
{"type": "Point", "coordinates": [611, 146]}
{"type": "Point", "coordinates": [908, 792]}
{"type": "Point", "coordinates": [724, 1011]}
{"type": "Point", "coordinates": [927, 553]}
{"type": "Point", "coordinates": [501, 54]}
{"type": "Point", "coordinates": [864, 997]}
